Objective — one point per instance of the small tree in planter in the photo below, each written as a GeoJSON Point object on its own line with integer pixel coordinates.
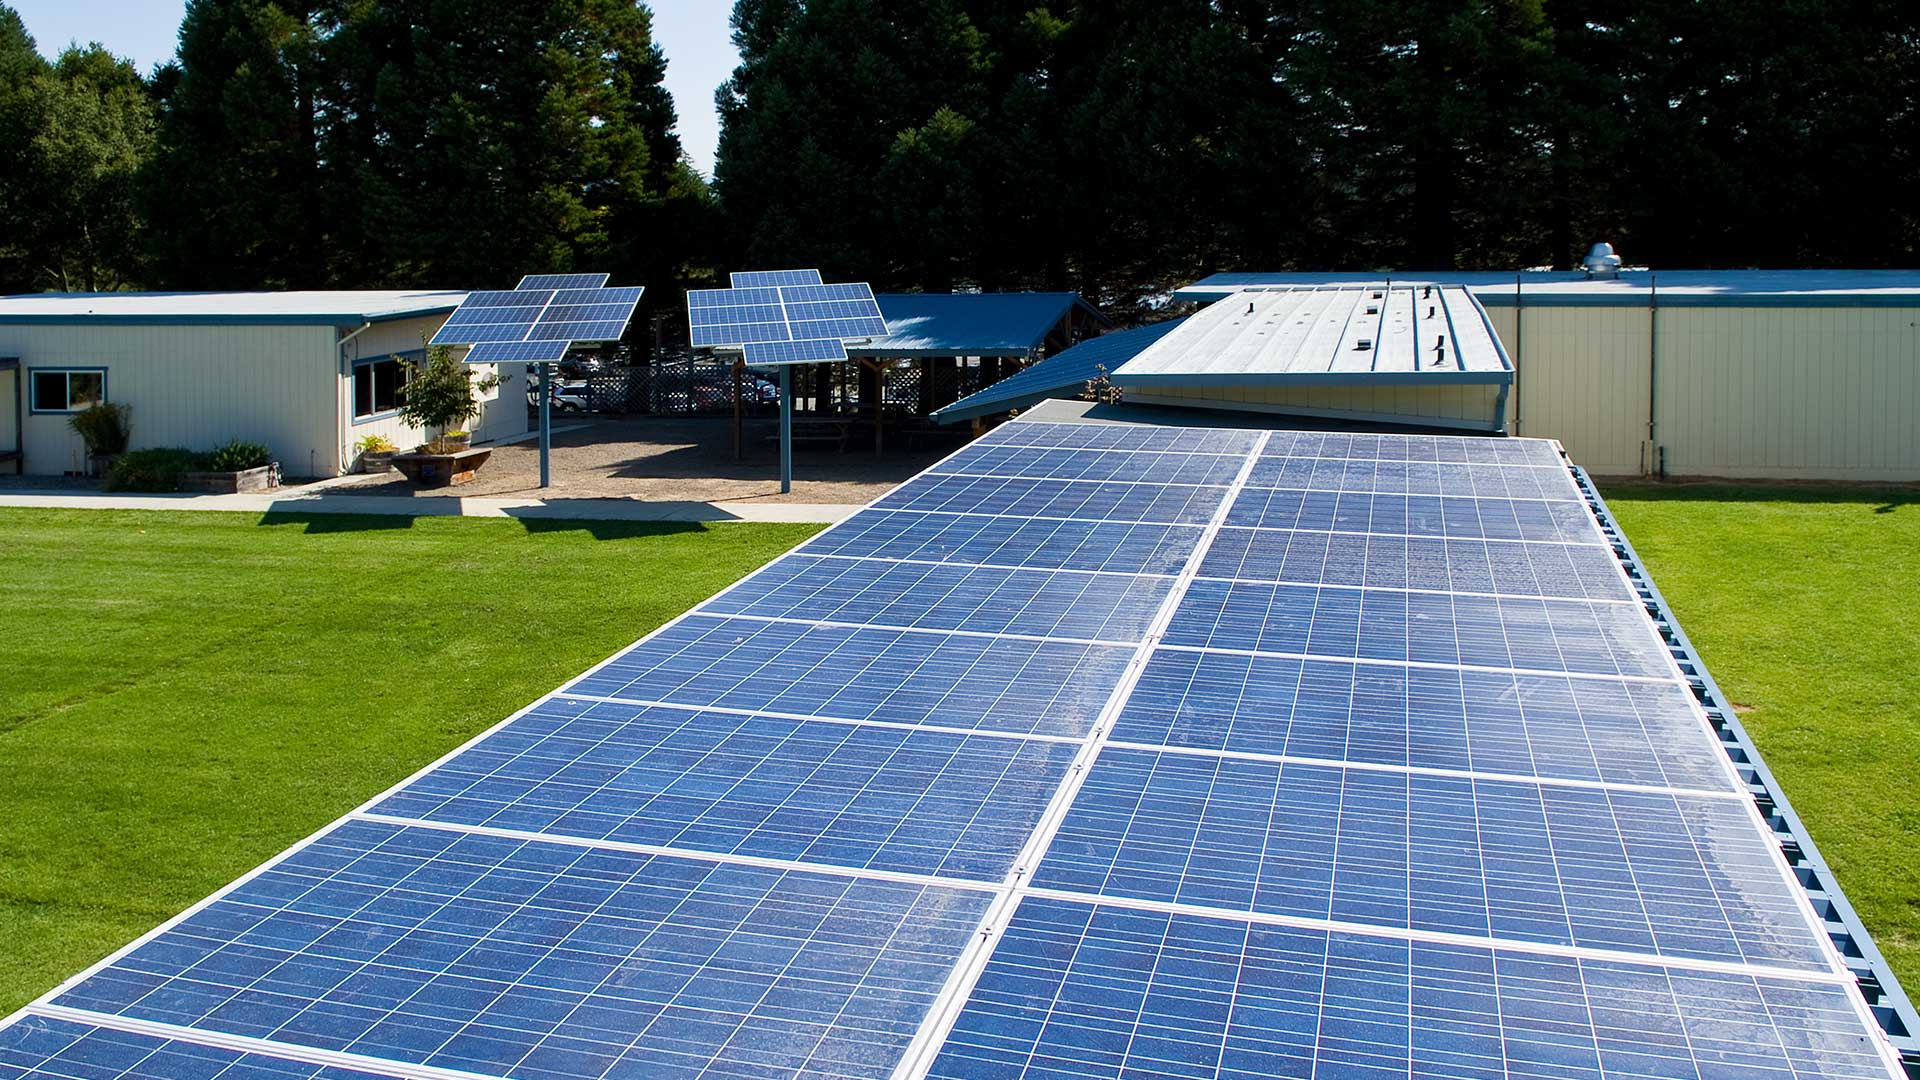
{"type": "Point", "coordinates": [106, 429]}
{"type": "Point", "coordinates": [440, 397]}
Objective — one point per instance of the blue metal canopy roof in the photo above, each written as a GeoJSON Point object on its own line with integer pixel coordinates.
{"type": "Point", "coordinates": [1058, 374]}
{"type": "Point", "coordinates": [971, 324]}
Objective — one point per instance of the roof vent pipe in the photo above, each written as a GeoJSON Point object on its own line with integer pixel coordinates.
{"type": "Point", "coordinates": [1601, 262]}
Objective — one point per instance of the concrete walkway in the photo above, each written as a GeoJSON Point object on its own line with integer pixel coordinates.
{"type": "Point", "coordinates": [315, 499]}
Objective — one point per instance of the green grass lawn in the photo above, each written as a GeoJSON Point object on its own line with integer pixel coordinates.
{"type": "Point", "coordinates": [184, 695]}
{"type": "Point", "coordinates": [1805, 605]}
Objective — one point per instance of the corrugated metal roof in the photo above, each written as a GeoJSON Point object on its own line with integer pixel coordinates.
{"type": "Point", "coordinates": [227, 308]}
{"type": "Point", "coordinates": [1370, 334]}
{"type": "Point", "coordinates": [970, 324]}
{"type": "Point", "coordinates": [1632, 288]}
{"type": "Point", "coordinates": [1062, 374]}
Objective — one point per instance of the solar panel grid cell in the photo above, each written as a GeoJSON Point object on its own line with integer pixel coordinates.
{"type": "Point", "coordinates": [518, 352]}
{"type": "Point", "coordinates": [563, 281]}
{"type": "Point", "coordinates": [1039, 603]}
{"type": "Point", "coordinates": [759, 278]}
{"type": "Point", "coordinates": [1635, 871]}
{"type": "Point", "coordinates": [1513, 568]}
{"type": "Point", "coordinates": [897, 676]}
{"type": "Point", "coordinates": [1415, 515]}
{"type": "Point", "coordinates": [760, 353]}
{"type": "Point", "coordinates": [1100, 991]}
{"type": "Point", "coordinates": [1552, 726]}
{"type": "Point", "coordinates": [1118, 547]}
{"type": "Point", "coordinates": [1027, 498]}
{"type": "Point", "coordinates": [1168, 468]}
{"type": "Point", "coordinates": [1415, 478]}
{"type": "Point", "coordinates": [544, 961]}
{"type": "Point", "coordinates": [837, 794]}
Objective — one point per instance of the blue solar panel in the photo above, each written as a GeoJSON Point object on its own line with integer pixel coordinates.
{"type": "Point", "coordinates": [563, 281]}
{"type": "Point", "coordinates": [546, 961]}
{"type": "Point", "coordinates": [840, 794]}
{"type": "Point", "coordinates": [1432, 628]}
{"type": "Point", "coordinates": [48, 1048]}
{"type": "Point", "coordinates": [1079, 990]}
{"type": "Point", "coordinates": [1014, 497]}
{"type": "Point", "coordinates": [1120, 547]}
{"type": "Point", "coordinates": [934, 596]}
{"type": "Point", "coordinates": [518, 352]}
{"type": "Point", "coordinates": [1415, 478]}
{"type": "Point", "coordinates": [1416, 515]}
{"type": "Point", "coordinates": [1515, 568]}
{"type": "Point", "coordinates": [1174, 467]}
{"type": "Point", "coordinates": [899, 676]}
{"type": "Point", "coordinates": [765, 353]}
{"type": "Point", "coordinates": [1648, 873]}
{"type": "Point", "coordinates": [1409, 786]}
{"type": "Point", "coordinates": [746, 279]}
{"type": "Point", "coordinates": [1569, 728]}
{"type": "Point", "coordinates": [768, 313]}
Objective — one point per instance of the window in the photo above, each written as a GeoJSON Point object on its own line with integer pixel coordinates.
{"type": "Point", "coordinates": [376, 386]}
{"type": "Point", "coordinates": [68, 390]}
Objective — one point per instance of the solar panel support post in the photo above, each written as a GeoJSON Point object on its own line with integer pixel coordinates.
{"type": "Point", "coordinates": [546, 424]}
{"type": "Point", "coordinates": [786, 428]}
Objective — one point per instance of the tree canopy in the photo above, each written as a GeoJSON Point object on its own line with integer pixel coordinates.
{"type": "Point", "coordinates": [1117, 147]}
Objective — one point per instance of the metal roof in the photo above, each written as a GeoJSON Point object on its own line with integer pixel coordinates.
{"type": "Point", "coordinates": [971, 324]}
{"type": "Point", "coordinates": [1064, 372]}
{"type": "Point", "coordinates": [1366, 334]}
{"type": "Point", "coordinates": [1632, 288]}
{"type": "Point", "coordinates": [226, 308]}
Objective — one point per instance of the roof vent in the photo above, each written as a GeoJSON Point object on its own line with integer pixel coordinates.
{"type": "Point", "coordinates": [1601, 262]}
{"type": "Point", "coordinates": [1363, 345]}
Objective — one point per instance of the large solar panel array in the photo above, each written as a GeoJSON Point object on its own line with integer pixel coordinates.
{"type": "Point", "coordinates": [784, 317]}
{"type": "Point", "coordinates": [1094, 752]}
{"type": "Point", "coordinates": [536, 322]}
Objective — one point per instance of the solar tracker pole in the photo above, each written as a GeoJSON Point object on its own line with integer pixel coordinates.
{"type": "Point", "coordinates": [786, 428]}
{"type": "Point", "coordinates": [546, 422]}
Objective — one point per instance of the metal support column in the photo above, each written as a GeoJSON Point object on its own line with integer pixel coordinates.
{"type": "Point", "coordinates": [786, 428]}
{"type": "Point", "coordinates": [546, 423]}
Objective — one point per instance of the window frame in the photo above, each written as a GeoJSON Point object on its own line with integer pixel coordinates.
{"type": "Point", "coordinates": [33, 388]}
{"type": "Point", "coordinates": [369, 363]}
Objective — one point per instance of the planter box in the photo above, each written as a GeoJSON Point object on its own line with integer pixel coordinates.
{"type": "Point", "coordinates": [375, 462]}
{"type": "Point", "coordinates": [264, 478]}
{"type": "Point", "coordinates": [441, 470]}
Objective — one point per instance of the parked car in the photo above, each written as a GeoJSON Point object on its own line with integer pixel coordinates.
{"type": "Point", "coordinates": [568, 395]}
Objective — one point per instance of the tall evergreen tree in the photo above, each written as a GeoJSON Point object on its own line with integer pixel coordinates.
{"type": "Point", "coordinates": [234, 188]}
{"type": "Point", "coordinates": [21, 69]}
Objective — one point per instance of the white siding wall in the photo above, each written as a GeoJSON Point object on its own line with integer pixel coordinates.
{"type": "Point", "coordinates": [1764, 393]}
{"type": "Point", "coordinates": [1470, 407]}
{"type": "Point", "coordinates": [192, 386]}
{"type": "Point", "coordinates": [503, 409]}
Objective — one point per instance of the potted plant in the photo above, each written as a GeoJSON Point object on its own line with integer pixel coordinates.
{"type": "Point", "coordinates": [105, 428]}
{"type": "Point", "coordinates": [234, 467]}
{"type": "Point", "coordinates": [440, 397]}
{"type": "Point", "coordinates": [376, 454]}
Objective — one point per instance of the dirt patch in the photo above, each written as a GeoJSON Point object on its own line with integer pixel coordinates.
{"type": "Point", "coordinates": [687, 460]}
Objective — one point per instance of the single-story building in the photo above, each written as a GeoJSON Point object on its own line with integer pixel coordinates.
{"type": "Point", "coordinates": [1762, 374]}
{"type": "Point", "coordinates": [308, 374]}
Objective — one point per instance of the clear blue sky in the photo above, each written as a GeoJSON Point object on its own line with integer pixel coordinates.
{"type": "Point", "coordinates": [694, 34]}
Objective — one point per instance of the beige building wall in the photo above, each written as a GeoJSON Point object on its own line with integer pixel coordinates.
{"type": "Point", "coordinates": [1804, 393]}
{"type": "Point", "coordinates": [1469, 407]}
{"type": "Point", "coordinates": [191, 386]}
{"type": "Point", "coordinates": [503, 409]}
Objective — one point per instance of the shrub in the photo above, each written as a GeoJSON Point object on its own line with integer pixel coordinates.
{"type": "Point", "coordinates": [238, 456]}
{"type": "Point", "coordinates": [105, 428]}
{"type": "Point", "coordinates": [158, 469]}
{"type": "Point", "coordinates": [439, 396]}
{"type": "Point", "coordinates": [375, 444]}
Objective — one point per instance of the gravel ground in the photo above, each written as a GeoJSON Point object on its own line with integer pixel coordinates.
{"type": "Point", "coordinates": [683, 460]}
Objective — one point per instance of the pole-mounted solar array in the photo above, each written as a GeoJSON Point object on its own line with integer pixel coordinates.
{"type": "Point", "coordinates": [536, 323]}
{"type": "Point", "coordinates": [778, 318]}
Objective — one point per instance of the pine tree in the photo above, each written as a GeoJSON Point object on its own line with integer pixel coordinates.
{"type": "Point", "coordinates": [21, 68]}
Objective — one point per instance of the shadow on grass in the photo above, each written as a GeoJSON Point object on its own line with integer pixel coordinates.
{"type": "Point", "coordinates": [320, 524]}
{"type": "Point", "coordinates": [1884, 498]}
